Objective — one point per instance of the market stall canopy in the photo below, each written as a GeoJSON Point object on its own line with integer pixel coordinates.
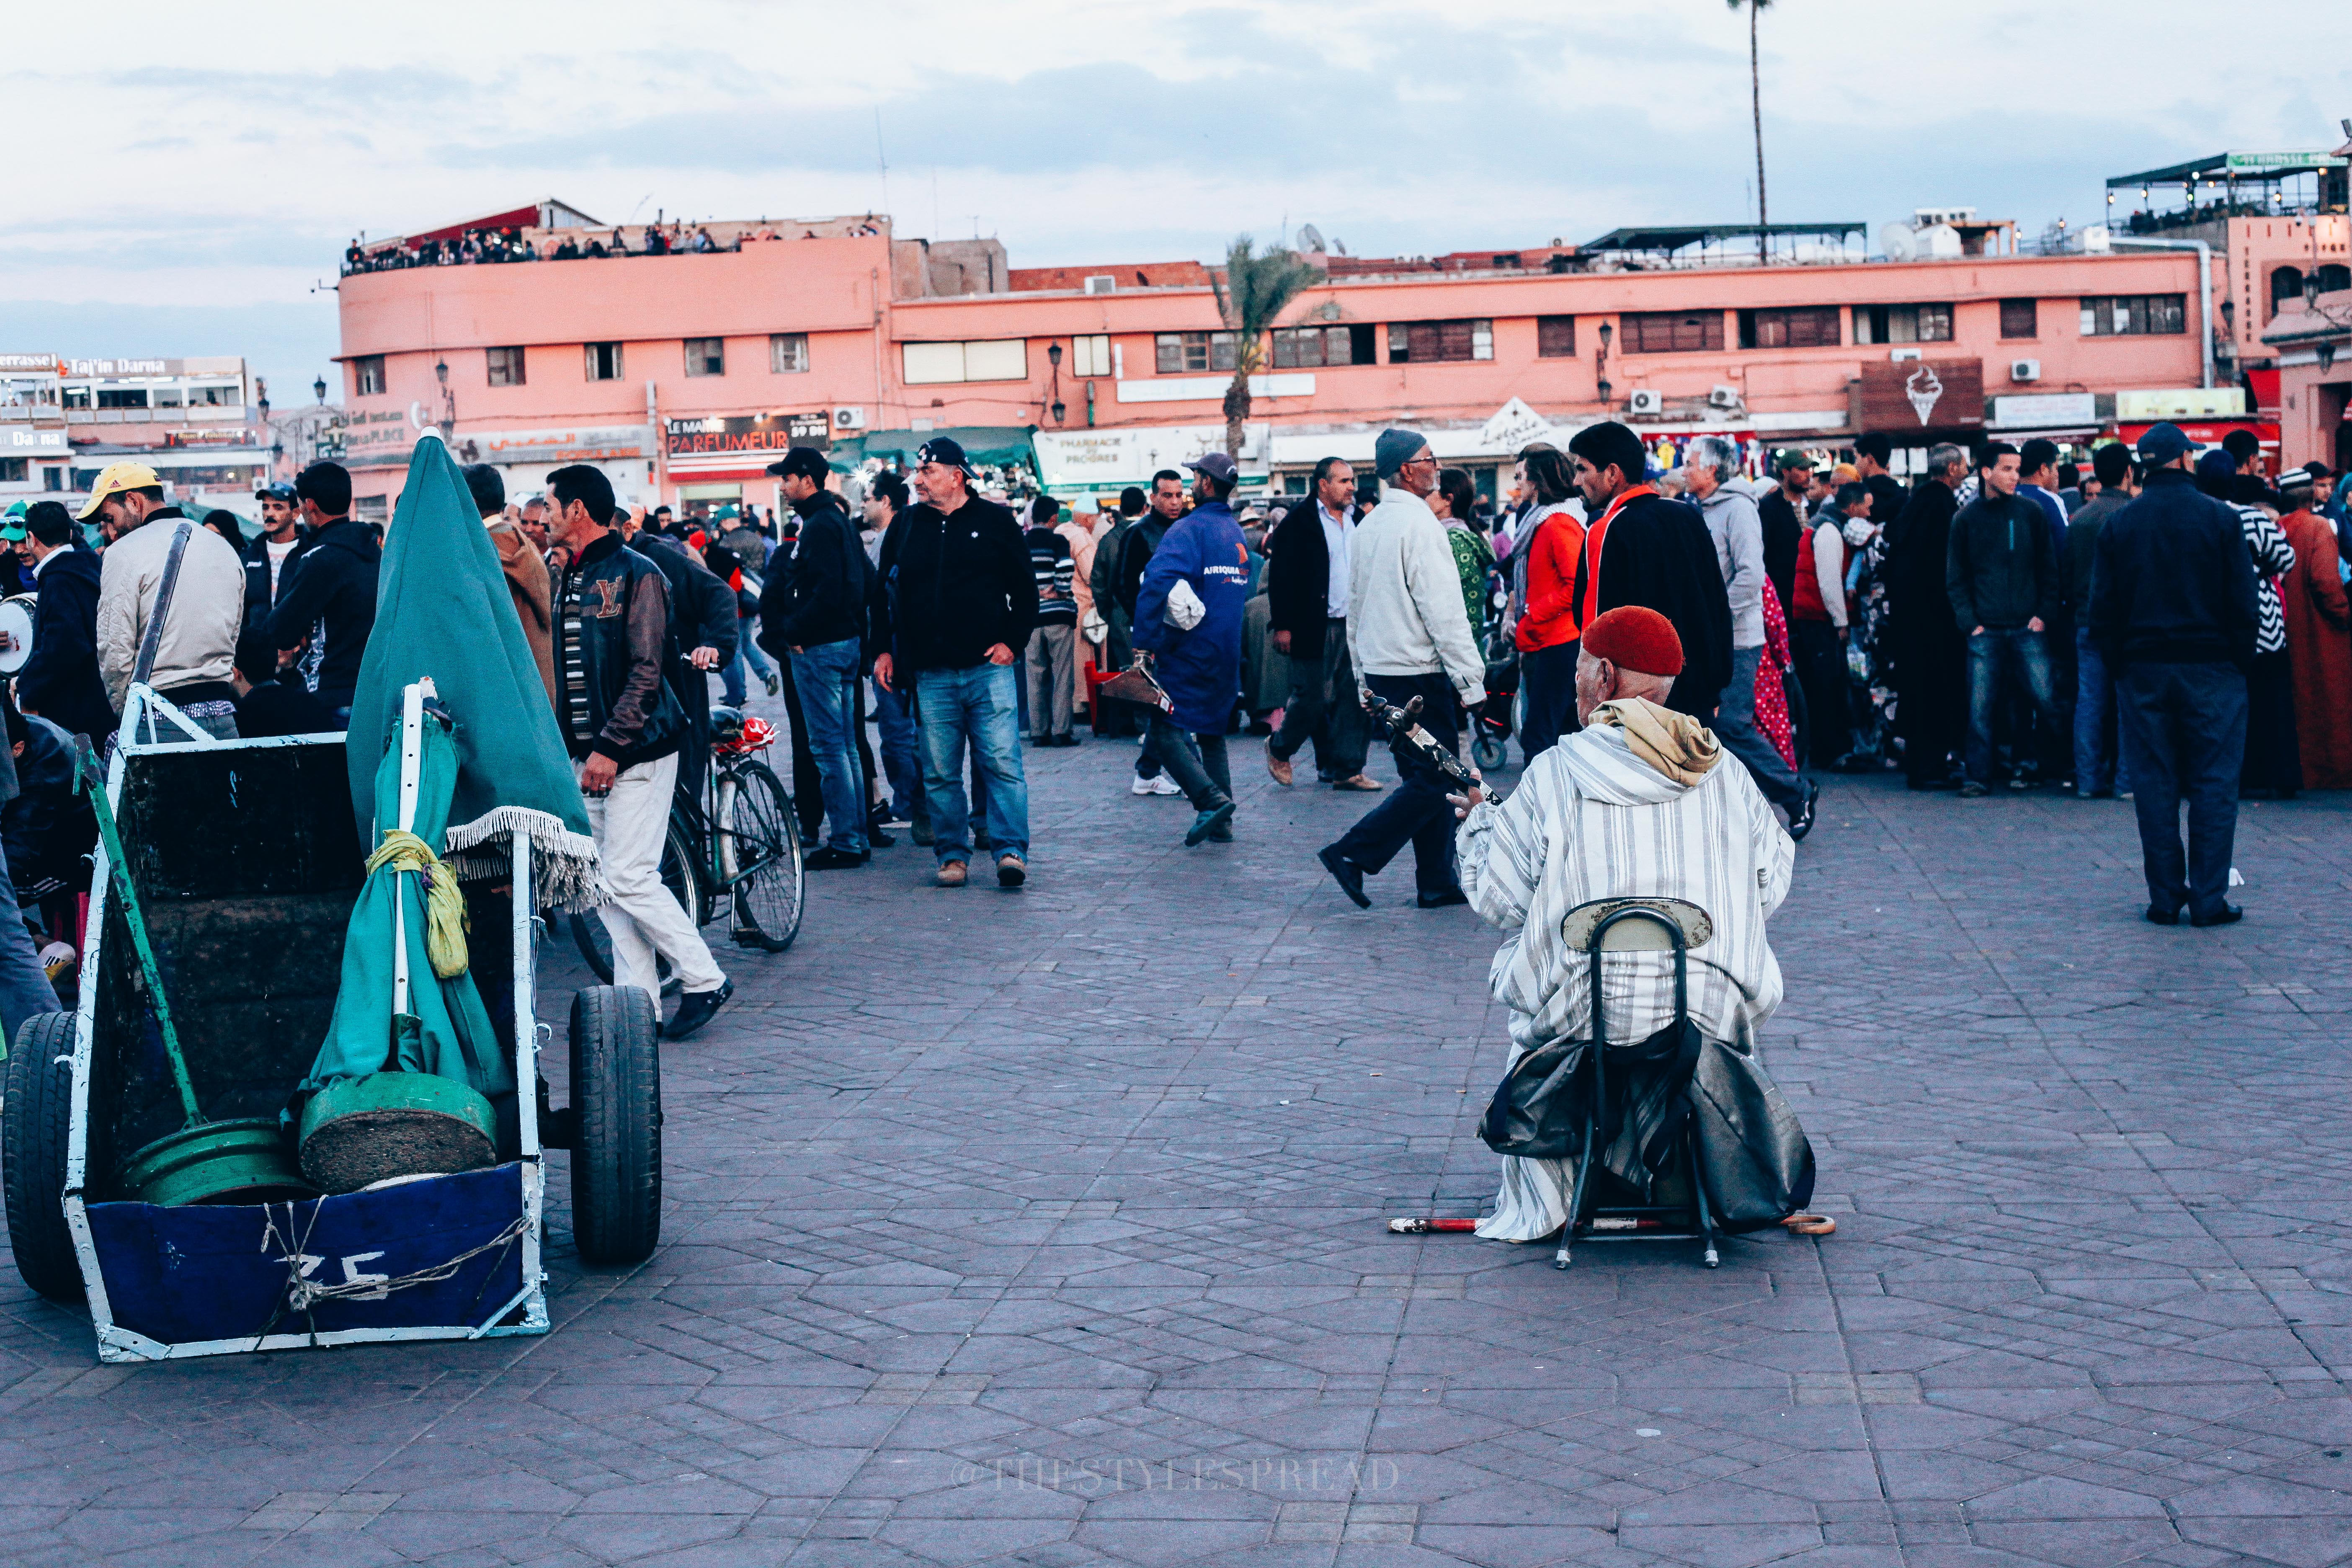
{"type": "Point", "coordinates": [443, 611]}
{"type": "Point", "coordinates": [980, 443]}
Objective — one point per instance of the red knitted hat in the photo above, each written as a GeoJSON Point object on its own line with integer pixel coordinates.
{"type": "Point", "coordinates": [1633, 638]}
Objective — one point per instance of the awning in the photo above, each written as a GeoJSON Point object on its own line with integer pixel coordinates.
{"type": "Point", "coordinates": [980, 443]}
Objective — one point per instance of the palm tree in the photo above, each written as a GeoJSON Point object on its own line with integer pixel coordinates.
{"type": "Point", "coordinates": [1258, 286]}
{"type": "Point", "coordinates": [1755, 107]}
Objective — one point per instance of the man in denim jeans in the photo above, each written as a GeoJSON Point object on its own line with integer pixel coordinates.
{"type": "Point", "coordinates": [957, 597]}
{"type": "Point", "coordinates": [823, 623]}
{"type": "Point", "coordinates": [2001, 573]}
{"type": "Point", "coordinates": [2099, 772]}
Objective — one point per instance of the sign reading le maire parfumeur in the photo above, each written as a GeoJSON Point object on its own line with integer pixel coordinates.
{"type": "Point", "coordinates": [751, 433]}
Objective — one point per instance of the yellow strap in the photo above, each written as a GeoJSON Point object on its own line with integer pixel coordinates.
{"type": "Point", "coordinates": [445, 907]}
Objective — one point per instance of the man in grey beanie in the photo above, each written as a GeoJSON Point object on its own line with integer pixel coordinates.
{"type": "Point", "coordinates": [1408, 637]}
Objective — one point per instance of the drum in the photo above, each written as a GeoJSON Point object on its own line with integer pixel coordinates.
{"type": "Point", "coordinates": [15, 632]}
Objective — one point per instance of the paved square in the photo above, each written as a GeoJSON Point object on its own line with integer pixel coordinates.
{"type": "Point", "coordinates": [1044, 1228]}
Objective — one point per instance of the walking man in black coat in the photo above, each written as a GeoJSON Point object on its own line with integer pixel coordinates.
{"type": "Point", "coordinates": [1307, 598]}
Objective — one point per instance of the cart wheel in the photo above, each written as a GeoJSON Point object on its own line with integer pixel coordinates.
{"type": "Point", "coordinates": [616, 1100]}
{"type": "Point", "coordinates": [33, 1117]}
{"type": "Point", "coordinates": [1488, 753]}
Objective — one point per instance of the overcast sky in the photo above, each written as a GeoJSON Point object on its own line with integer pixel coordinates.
{"type": "Point", "coordinates": [202, 173]}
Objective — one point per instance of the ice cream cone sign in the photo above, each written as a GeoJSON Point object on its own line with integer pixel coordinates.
{"type": "Point", "coordinates": [1923, 389]}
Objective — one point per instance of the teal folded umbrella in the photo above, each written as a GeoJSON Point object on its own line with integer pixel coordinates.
{"type": "Point", "coordinates": [443, 1029]}
{"type": "Point", "coordinates": [444, 612]}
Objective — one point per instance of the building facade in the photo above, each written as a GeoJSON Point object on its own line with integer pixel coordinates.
{"type": "Point", "coordinates": [682, 374]}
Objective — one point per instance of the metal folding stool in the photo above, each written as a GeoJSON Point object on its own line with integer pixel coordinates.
{"type": "Point", "coordinates": [1634, 925]}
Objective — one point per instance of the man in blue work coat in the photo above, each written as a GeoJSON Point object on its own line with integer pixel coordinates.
{"type": "Point", "coordinates": [1188, 616]}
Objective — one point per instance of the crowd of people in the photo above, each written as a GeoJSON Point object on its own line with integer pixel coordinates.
{"type": "Point", "coordinates": [2163, 625]}
{"type": "Point", "coordinates": [485, 246]}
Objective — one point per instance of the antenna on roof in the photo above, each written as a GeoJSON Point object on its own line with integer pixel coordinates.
{"type": "Point", "coordinates": [881, 161]}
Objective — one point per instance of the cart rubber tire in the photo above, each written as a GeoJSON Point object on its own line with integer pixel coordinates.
{"type": "Point", "coordinates": [33, 1127]}
{"type": "Point", "coordinates": [1488, 753]}
{"type": "Point", "coordinates": [616, 1098]}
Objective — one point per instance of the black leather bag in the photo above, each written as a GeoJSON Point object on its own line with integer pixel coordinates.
{"type": "Point", "coordinates": [1541, 1109]}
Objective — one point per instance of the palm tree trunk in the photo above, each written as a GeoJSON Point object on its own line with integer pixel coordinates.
{"type": "Point", "coordinates": [1238, 409]}
{"type": "Point", "coordinates": [1756, 106]}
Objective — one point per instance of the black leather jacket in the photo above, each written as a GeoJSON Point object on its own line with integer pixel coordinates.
{"type": "Point", "coordinates": [611, 634]}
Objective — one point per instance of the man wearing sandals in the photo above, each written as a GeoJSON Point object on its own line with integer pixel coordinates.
{"type": "Point", "coordinates": [1636, 803]}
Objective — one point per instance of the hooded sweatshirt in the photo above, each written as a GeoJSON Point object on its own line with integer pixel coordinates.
{"type": "Point", "coordinates": [1608, 814]}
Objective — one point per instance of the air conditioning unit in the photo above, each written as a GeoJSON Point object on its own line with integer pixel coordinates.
{"type": "Point", "coordinates": [1102, 283]}
{"type": "Point", "coordinates": [2025, 370]}
{"type": "Point", "coordinates": [1723, 397]}
{"type": "Point", "coordinates": [1643, 400]}
{"type": "Point", "coordinates": [849, 419]}
{"type": "Point", "coordinates": [1899, 355]}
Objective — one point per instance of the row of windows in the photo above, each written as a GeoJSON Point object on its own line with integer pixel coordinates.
{"type": "Point", "coordinates": [788, 354]}
{"type": "Point", "coordinates": [1409, 343]}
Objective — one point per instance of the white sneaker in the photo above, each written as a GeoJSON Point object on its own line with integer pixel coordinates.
{"type": "Point", "coordinates": [1159, 783]}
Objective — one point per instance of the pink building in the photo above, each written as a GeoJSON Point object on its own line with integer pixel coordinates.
{"type": "Point", "coordinates": [683, 375]}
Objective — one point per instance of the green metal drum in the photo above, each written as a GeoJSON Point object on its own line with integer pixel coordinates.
{"type": "Point", "coordinates": [360, 1130]}
{"type": "Point", "coordinates": [243, 1162]}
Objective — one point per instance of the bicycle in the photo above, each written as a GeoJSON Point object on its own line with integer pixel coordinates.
{"type": "Point", "coordinates": [738, 839]}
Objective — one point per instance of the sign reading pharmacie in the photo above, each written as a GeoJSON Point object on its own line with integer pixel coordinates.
{"type": "Point", "coordinates": [1914, 394]}
{"type": "Point", "coordinates": [1085, 459]}
{"type": "Point", "coordinates": [751, 433]}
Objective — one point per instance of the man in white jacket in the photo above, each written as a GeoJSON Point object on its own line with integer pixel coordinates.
{"type": "Point", "coordinates": [196, 647]}
{"type": "Point", "coordinates": [1408, 637]}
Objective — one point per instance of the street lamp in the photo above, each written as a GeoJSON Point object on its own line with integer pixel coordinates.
{"type": "Point", "coordinates": [320, 388]}
{"type": "Point", "coordinates": [1054, 355]}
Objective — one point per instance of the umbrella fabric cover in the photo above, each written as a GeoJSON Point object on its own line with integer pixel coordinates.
{"type": "Point", "coordinates": [443, 610]}
{"type": "Point", "coordinates": [457, 1040]}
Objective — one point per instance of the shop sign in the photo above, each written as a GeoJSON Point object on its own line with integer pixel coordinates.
{"type": "Point", "coordinates": [2181, 403]}
{"type": "Point", "coordinates": [378, 440]}
{"type": "Point", "coordinates": [1512, 426]}
{"type": "Point", "coordinates": [579, 445]}
{"type": "Point", "coordinates": [751, 433]}
{"type": "Point", "coordinates": [1923, 395]}
{"type": "Point", "coordinates": [1130, 456]}
{"type": "Point", "coordinates": [17, 442]}
{"type": "Point", "coordinates": [2045, 410]}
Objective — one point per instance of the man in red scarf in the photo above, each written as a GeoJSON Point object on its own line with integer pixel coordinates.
{"type": "Point", "coordinates": [1642, 549]}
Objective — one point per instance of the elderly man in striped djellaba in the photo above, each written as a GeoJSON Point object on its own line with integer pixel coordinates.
{"type": "Point", "coordinates": [1640, 803]}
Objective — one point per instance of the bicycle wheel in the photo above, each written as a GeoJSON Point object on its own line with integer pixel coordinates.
{"type": "Point", "coordinates": [760, 856]}
{"type": "Point", "coordinates": [596, 943]}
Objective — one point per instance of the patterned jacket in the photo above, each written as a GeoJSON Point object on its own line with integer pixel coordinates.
{"type": "Point", "coordinates": [612, 642]}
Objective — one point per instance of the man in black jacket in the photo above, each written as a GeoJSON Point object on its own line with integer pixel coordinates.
{"type": "Point", "coordinates": [813, 609]}
{"type": "Point", "coordinates": [282, 537]}
{"type": "Point", "coordinates": [60, 680]}
{"type": "Point", "coordinates": [2173, 613]}
{"type": "Point", "coordinates": [1306, 595]}
{"type": "Point", "coordinates": [1118, 717]}
{"type": "Point", "coordinates": [957, 597]}
{"type": "Point", "coordinates": [1872, 449]}
{"type": "Point", "coordinates": [1931, 656]}
{"type": "Point", "coordinates": [623, 726]}
{"type": "Point", "coordinates": [2000, 569]}
{"type": "Point", "coordinates": [1642, 549]}
{"type": "Point", "coordinates": [328, 588]}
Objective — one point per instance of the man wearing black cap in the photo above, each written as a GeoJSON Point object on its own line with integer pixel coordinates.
{"type": "Point", "coordinates": [812, 607]}
{"type": "Point", "coordinates": [1783, 515]}
{"type": "Point", "coordinates": [1189, 611]}
{"type": "Point", "coordinates": [281, 538]}
{"type": "Point", "coordinates": [957, 597]}
{"type": "Point", "coordinates": [2173, 613]}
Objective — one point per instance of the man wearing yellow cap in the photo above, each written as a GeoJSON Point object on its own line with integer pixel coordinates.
{"type": "Point", "coordinates": [195, 648]}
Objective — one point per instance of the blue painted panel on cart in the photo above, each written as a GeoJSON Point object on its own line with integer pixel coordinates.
{"type": "Point", "coordinates": [182, 1275]}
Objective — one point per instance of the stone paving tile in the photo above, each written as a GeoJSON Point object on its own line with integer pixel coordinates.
{"type": "Point", "coordinates": [1043, 1229]}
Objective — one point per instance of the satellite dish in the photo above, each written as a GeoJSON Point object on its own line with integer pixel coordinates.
{"type": "Point", "coordinates": [1340, 246]}
{"type": "Point", "coordinates": [1311, 238]}
{"type": "Point", "coordinates": [1898, 241]}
